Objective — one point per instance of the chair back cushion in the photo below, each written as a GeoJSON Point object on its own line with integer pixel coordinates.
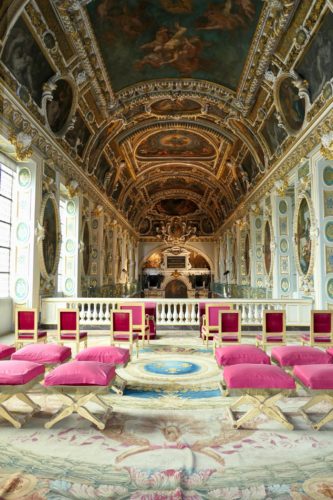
{"type": "Point", "coordinates": [243, 353]}
{"type": "Point", "coordinates": [315, 376]}
{"type": "Point", "coordinates": [68, 320]}
{"type": "Point", "coordinates": [14, 372]}
{"type": "Point", "coordinates": [81, 373]}
{"type": "Point", "coordinates": [249, 376]}
{"type": "Point", "coordinates": [321, 322]}
{"type": "Point", "coordinates": [213, 313]}
{"type": "Point", "coordinates": [44, 353]}
{"type": "Point", "coordinates": [25, 320]}
{"type": "Point", "coordinates": [121, 321]}
{"type": "Point", "coordinates": [104, 354]}
{"type": "Point", "coordinates": [138, 316]}
{"type": "Point", "coordinates": [150, 309]}
{"type": "Point", "coordinates": [229, 322]}
{"type": "Point", "coordinates": [274, 322]}
{"type": "Point", "coordinates": [291, 355]}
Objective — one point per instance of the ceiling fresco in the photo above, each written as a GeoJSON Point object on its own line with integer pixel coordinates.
{"type": "Point", "coordinates": [170, 107]}
{"type": "Point", "coordinates": [156, 39]}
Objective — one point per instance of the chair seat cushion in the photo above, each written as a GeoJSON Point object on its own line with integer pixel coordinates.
{"type": "Point", "coordinates": [23, 335]}
{"type": "Point", "coordinates": [226, 338]}
{"type": "Point", "coordinates": [14, 372]}
{"type": "Point", "coordinates": [330, 352]}
{"type": "Point", "coordinates": [6, 351]}
{"type": "Point", "coordinates": [291, 355]}
{"type": "Point", "coordinates": [105, 354]}
{"type": "Point", "coordinates": [270, 338]}
{"type": "Point", "coordinates": [250, 376]}
{"type": "Point", "coordinates": [72, 336]}
{"type": "Point", "coordinates": [81, 373]}
{"type": "Point", "coordinates": [43, 353]}
{"type": "Point", "coordinates": [315, 376]}
{"type": "Point", "coordinates": [124, 336]}
{"type": "Point", "coordinates": [319, 338]}
{"type": "Point", "coordinates": [237, 354]}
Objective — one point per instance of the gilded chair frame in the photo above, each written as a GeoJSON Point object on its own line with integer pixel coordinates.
{"type": "Point", "coordinates": [211, 330]}
{"type": "Point", "coordinates": [312, 339]}
{"type": "Point", "coordinates": [35, 339]}
{"type": "Point", "coordinates": [219, 341]}
{"type": "Point", "coordinates": [75, 332]}
{"type": "Point", "coordinates": [130, 333]}
{"type": "Point", "coordinates": [143, 328]}
{"type": "Point", "coordinates": [264, 342]}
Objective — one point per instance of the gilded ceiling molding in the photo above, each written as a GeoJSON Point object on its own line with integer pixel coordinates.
{"type": "Point", "coordinates": [18, 118]}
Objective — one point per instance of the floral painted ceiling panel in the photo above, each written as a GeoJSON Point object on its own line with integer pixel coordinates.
{"type": "Point", "coordinates": [156, 39]}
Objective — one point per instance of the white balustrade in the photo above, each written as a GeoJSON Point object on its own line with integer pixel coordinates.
{"type": "Point", "coordinates": [96, 311]}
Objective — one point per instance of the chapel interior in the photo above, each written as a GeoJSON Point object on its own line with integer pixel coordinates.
{"type": "Point", "coordinates": [166, 249]}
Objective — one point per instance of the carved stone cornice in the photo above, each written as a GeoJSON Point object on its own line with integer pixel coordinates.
{"type": "Point", "coordinates": [17, 118]}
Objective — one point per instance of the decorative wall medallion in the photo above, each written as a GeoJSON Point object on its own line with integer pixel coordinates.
{"type": "Point", "coordinates": [258, 223]}
{"type": "Point", "coordinates": [303, 222]}
{"type": "Point", "coordinates": [94, 253]}
{"type": "Point", "coordinates": [71, 208]}
{"type": "Point", "coordinates": [267, 247]}
{"type": "Point", "coordinates": [70, 247]}
{"type": "Point", "coordinates": [284, 245]}
{"type": "Point", "coordinates": [59, 110]}
{"type": "Point", "coordinates": [329, 259]}
{"type": "Point", "coordinates": [24, 178]}
{"type": "Point", "coordinates": [69, 285]}
{"type": "Point", "coordinates": [49, 40]}
{"type": "Point", "coordinates": [259, 253]}
{"type": "Point", "coordinates": [328, 175]}
{"type": "Point", "coordinates": [328, 203]}
{"type": "Point", "coordinates": [284, 264]}
{"type": "Point", "coordinates": [21, 288]}
{"type": "Point", "coordinates": [290, 105]}
{"type": "Point", "coordinates": [22, 232]}
{"type": "Point", "coordinates": [50, 236]}
{"type": "Point", "coordinates": [283, 226]}
{"type": "Point", "coordinates": [259, 282]}
{"type": "Point", "coordinates": [283, 207]}
{"type": "Point", "coordinates": [285, 285]}
{"type": "Point", "coordinates": [330, 288]}
{"type": "Point", "coordinates": [94, 224]}
{"type": "Point", "coordinates": [329, 231]}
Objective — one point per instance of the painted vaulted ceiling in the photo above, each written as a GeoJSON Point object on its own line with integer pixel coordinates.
{"type": "Point", "coordinates": [172, 107]}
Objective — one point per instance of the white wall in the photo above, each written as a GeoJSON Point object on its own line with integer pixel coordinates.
{"type": "Point", "coordinates": [6, 315]}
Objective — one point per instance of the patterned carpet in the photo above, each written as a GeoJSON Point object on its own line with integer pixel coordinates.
{"type": "Point", "coordinates": [168, 438]}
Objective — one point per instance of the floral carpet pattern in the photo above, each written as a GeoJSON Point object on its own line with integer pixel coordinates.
{"type": "Point", "coordinates": [165, 447]}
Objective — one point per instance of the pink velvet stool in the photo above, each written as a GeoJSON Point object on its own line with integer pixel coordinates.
{"type": "Point", "coordinates": [243, 353]}
{"type": "Point", "coordinates": [16, 379]}
{"type": "Point", "coordinates": [78, 383]}
{"type": "Point", "coordinates": [317, 380]}
{"type": "Point", "coordinates": [6, 351]}
{"type": "Point", "coordinates": [260, 386]}
{"type": "Point", "coordinates": [291, 355]}
{"type": "Point", "coordinates": [45, 354]}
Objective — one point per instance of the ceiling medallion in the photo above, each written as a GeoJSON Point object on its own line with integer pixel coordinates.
{"type": "Point", "coordinates": [175, 232]}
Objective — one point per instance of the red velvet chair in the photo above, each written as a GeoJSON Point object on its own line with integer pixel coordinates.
{"type": "Point", "coordinates": [26, 327]}
{"type": "Point", "coordinates": [229, 328]}
{"type": "Point", "coordinates": [321, 330]}
{"type": "Point", "coordinates": [122, 330]}
{"type": "Point", "coordinates": [210, 320]}
{"type": "Point", "coordinates": [150, 311]}
{"type": "Point", "coordinates": [273, 330]}
{"type": "Point", "coordinates": [140, 324]}
{"type": "Point", "coordinates": [69, 328]}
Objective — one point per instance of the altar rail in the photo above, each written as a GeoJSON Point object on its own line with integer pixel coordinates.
{"type": "Point", "coordinates": [169, 312]}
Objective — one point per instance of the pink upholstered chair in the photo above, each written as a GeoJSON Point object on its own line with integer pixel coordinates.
{"type": "Point", "coordinates": [321, 330]}
{"type": "Point", "coordinates": [122, 329]}
{"type": "Point", "coordinates": [26, 327]}
{"type": "Point", "coordinates": [229, 328]}
{"type": "Point", "coordinates": [69, 328]}
{"type": "Point", "coordinates": [140, 322]}
{"type": "Point", "coordinates": [210, 320]}
{"type": "Point", "coordinates": [273, 329]}
{"type": "Point", "coordinates": [150, 311]}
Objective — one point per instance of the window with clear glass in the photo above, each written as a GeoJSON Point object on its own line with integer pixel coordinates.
{"type": "Point", "coordinates": [6, 205]}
